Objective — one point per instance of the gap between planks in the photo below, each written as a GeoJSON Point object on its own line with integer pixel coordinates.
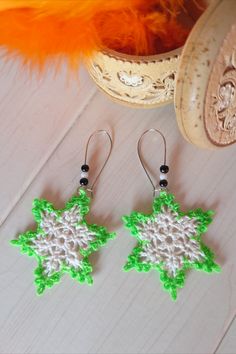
{"type": "Point", "coordinates": [225, 334]}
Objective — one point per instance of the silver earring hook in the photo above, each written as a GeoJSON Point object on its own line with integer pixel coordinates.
{"type": "Point", "coordinates": [90, 189]}
{"type": "Point", "coordinates": [155, 189]}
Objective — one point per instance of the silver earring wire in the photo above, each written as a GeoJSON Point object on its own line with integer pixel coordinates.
{"type": "Point", "coordinates": [155, 189]}
{"type": "Point", "coordinates": [90, 189]}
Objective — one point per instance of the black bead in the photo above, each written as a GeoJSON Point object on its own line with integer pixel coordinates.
{"type": "Point", "coordinates": [164, 169]}
{"type": "Point", "coordinates": [163, 183]}
{"type": "Point", "coordinates": [83, 181]}
{"type": "Point", "coordinates": [85, 168]}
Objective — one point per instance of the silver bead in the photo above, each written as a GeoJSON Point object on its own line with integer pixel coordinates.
{"type": "Point", "coordinates": [163, 176]}
{"type": "Point", "coordinates": [84, 174]}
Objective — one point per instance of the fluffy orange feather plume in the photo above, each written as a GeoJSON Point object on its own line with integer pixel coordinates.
{"type": "Point", "coordinates": [44, 30]}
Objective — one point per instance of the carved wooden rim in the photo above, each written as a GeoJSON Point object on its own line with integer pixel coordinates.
{"type": "Point", "coordinates": [143, 59]}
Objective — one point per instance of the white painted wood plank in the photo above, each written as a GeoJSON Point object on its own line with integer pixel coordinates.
{"type": "Point", "coordinates": [123, 312]}
{"type": "Point", "coordinates": [228, 344]}
{"type": "Point", "coordinates": [34, 117]}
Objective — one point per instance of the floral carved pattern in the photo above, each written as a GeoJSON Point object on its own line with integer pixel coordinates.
{"type": "Point", "coordinates": [225, 106]}
{"type": "Point", "coordinates": [134, 83]}
{"type": "Point", "coordinates": [130, 79]}
{"type": "Point", "coordinates": [220, 109]}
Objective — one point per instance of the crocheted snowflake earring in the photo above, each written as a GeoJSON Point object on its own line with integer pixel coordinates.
{"type": "Point", "coordinates": [169, 240]}
{"type": "Point", "coordinates": [63, 239]}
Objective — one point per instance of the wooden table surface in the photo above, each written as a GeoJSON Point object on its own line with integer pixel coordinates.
{"type": "Point", "coordinates": [45, 124]}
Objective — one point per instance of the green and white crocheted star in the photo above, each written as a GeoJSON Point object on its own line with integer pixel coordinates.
{"type": "Point", "coordinates": [170, 241]}
{"type": "Point", "coordinates": [63, 241]}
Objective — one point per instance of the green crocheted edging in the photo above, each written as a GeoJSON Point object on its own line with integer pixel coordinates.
{"type": "Point", "coordinates": [83, 274]}
{"type": "Point", "coordinates": [171, 285]}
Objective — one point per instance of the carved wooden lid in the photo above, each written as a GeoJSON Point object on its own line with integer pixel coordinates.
{"type": "Point", "coordinates": [205, 95]}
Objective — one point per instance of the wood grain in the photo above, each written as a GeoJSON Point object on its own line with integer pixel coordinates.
{"type": "Point", "coordinates": [122, 312]}
{"type": "Point", "coordinates": [31, 127]}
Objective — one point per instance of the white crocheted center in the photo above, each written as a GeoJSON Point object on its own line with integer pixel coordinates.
{"type": "Point", "coordinates": [170, 241]}
{"type": "Point", "coordinates": [63, 238]}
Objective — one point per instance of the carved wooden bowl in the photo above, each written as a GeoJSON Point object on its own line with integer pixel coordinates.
{"type": "Point", "coordinates": [202, 80]}
{"type": "Point", "coordinates": [142, 81]}
{"type": "Point", "coordinates": [139, 81]}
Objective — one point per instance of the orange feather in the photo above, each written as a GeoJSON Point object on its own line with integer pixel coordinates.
{"type": "Point", "coordinates": [41, 31]}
